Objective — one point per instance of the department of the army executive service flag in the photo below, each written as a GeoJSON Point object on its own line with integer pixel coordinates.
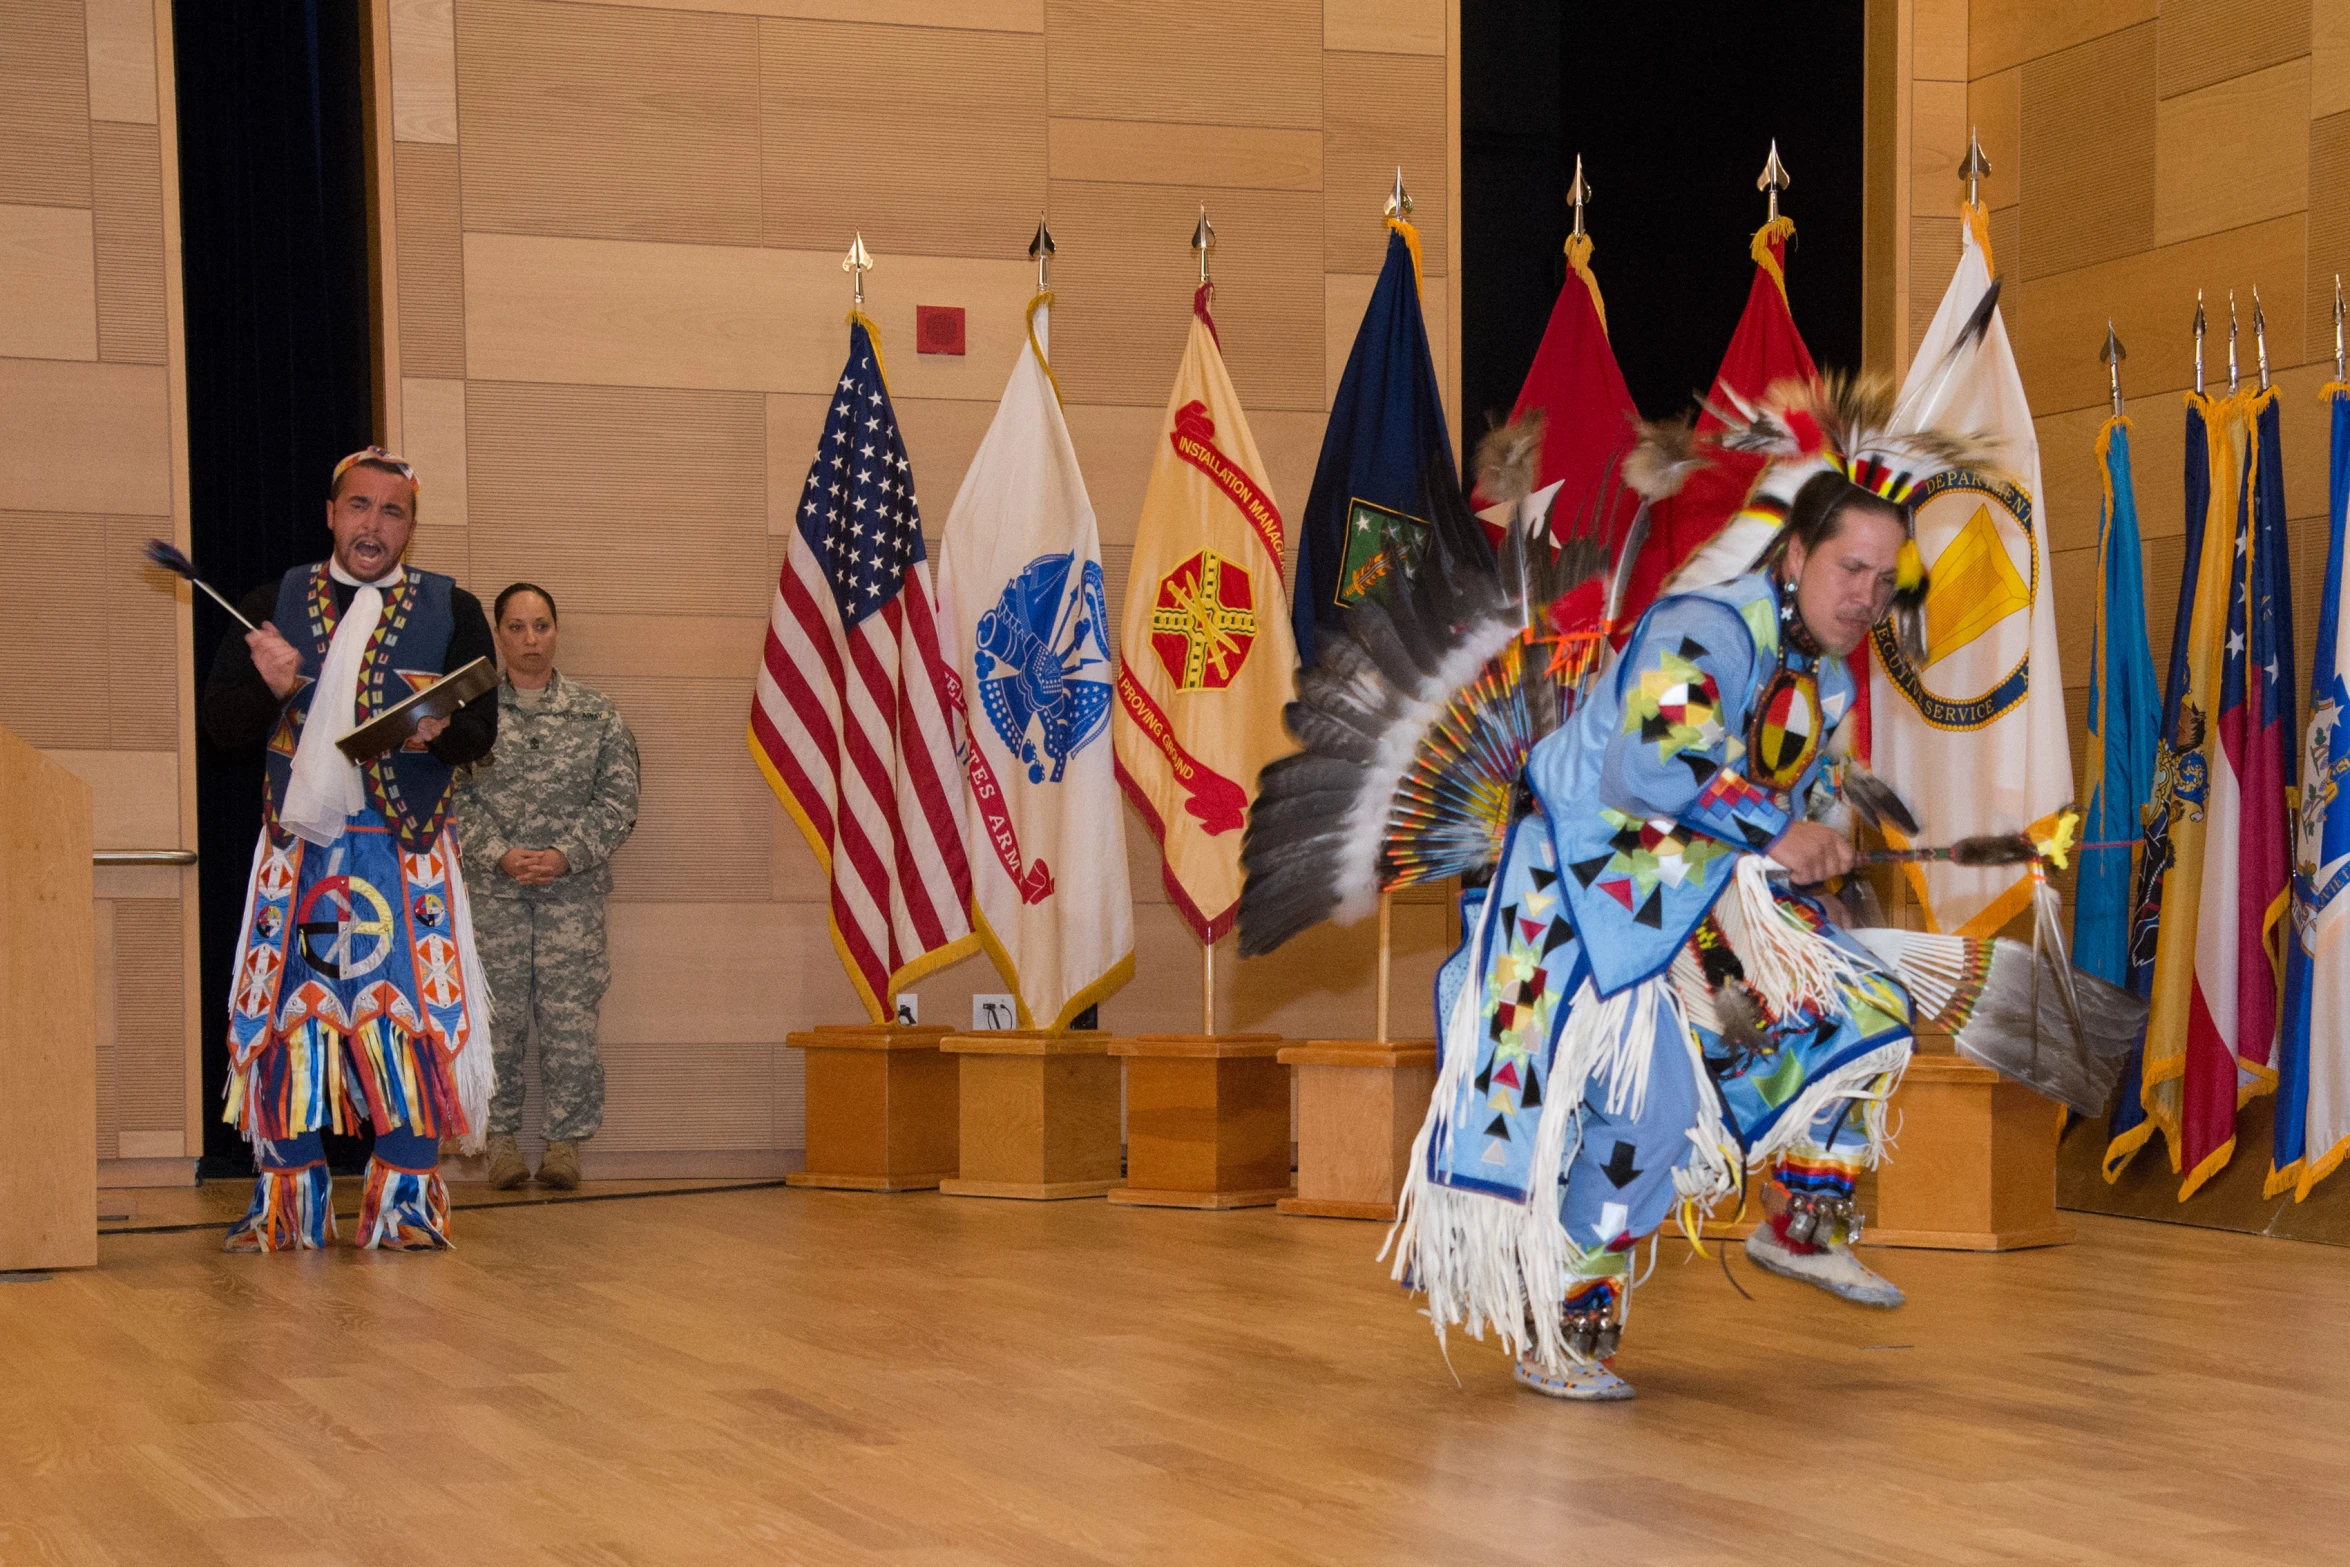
{"type": "Point", "coordinates": [1207, 660]}
{"type": "Point", "coordinates": [850, 717]}
{"type": "Point", "coordinates": [1368, 518]}
{"type": "Point", "coordinates": [1973, 736]}
{"type": "Point", "coordinates": [2313, 1067]}
{"type": "Point", "coordinates": [1028, 634]}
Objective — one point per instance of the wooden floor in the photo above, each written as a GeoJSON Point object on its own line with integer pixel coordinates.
{"type": "Point", "coordinates": [795, 1376]}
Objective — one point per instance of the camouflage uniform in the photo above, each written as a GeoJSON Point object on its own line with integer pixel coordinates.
{"type": "Point", "coordinates": [563, 776]}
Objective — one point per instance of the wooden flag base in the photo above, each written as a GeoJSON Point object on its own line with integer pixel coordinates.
{"type": "Point", "coordinates": [1977, 1165]}
{"type": "Point", "coordinates": [1360, 1103]}
{"type": "Point", "coordinates": [881, 1108]}
{"type": "Point", "coordinates": [1039, 1115]}
{"type": "Point", "coordinates": [1207, 1121]}
{"type": "Point", "coordinates": [1975, 1170]}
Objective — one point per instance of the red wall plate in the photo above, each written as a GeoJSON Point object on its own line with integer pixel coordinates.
{"type": "Point", "coordinates": [938, 329]}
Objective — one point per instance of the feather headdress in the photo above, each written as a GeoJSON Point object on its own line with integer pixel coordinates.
{"type": "Point", "coordinates": [1854, 426]}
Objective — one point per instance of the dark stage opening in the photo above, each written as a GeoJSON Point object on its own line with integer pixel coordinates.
{"type": "Point", "coordinates": [274, 257]}
{"type": "Point", "coordinates": [1673, 113]}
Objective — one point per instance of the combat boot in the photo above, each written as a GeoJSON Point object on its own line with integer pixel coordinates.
{"type": "Point", "coordinates": [507, 1171]}
{"type": "Point", "coordinates": [559, 1167]}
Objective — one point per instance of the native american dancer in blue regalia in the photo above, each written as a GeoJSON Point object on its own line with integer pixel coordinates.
{"type": "Point", "coordinates": [1658, 991]}
{"type": "Point", "coordinates": [357, 994]}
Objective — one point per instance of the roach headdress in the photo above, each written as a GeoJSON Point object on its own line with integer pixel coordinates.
{"type": "Point", "coordinates": [1852, 426]}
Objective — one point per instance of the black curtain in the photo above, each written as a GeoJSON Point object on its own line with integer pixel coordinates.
{"type": "Point", "coordinates": [273, 227]}
{"type": "Point", "coordinates": [1673, 110]}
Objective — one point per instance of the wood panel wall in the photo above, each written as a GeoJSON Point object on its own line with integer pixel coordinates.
{"type": "Point", "coordinates": [611, 308]}
{"type": "Point", "coordinates": [95, 662]}
{"type": "Point", "coordinates": [2141, 150]}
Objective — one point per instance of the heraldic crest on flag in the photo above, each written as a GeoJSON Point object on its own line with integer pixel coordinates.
{"type": "Point", "coordinates": [2313, 1068]}
{"type": "Point", "coordinates": [1028, 640]}
{"type": "Point", "coordinates": [1972, 732]}
{"type": "Point", "coordinates": [1209, 655]}
{"type": "Point", "coordinates": [851, 718]}
{"type": "Point", "coordinates": [1369, 519]}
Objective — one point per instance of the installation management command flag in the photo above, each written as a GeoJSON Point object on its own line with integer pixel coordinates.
{"type": "Point", "coordinates": [2313, 1087]}
{"type": "Point", "coordinates": [1207, 658]}
{"type": "Point", "coordinates": [1369, 516]}
{"type": "Point", "coordinates": [1974, 737]}
{"type": "Point", "coordinates": [851, 719]}
{"type": "Point", "coordinates": [1020, 576]}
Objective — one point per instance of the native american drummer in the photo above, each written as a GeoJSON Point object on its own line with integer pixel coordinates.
{"type": "Point", "coordinates": [357, 995]}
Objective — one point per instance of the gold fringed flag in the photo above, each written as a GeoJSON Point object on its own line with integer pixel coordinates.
{"type": "Point", "coordinates": [1025, 626]}
{"type": "Point", "coordinates": [1973, 735]}
{"type": "Point", "coordinates": [1208, 659]}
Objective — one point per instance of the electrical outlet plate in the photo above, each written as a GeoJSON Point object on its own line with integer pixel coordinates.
{"type": "Point", "coordinates": [994, 1012]}
{"type": "Point", "coordinates": [909, 1009]}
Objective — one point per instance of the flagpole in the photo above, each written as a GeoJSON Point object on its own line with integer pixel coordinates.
{"type": "Point", "coordinates": [1386, 909]}
{"type": "Point", "coordinates": [1207, 988]}
{"type": "Point", "coordinates": [2199, 330]}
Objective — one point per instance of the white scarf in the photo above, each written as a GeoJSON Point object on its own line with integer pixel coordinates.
{"type": "Point", "coordinates": [326, 791]}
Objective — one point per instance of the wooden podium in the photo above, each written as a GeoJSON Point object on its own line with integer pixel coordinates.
{"type": "Point", "coordinates": [1207, 1121]}
{"type": "Point", "coordinates": [48, 1016]}
{"type": "Point", "coordinates": [1974, 1166]}
{"type": "Point", "coordinates": [881, 1108]}
{"type": "Point", "coordinates": [1039, 1116]}
{"type": "Point", "coordinates": [1360, 1103]}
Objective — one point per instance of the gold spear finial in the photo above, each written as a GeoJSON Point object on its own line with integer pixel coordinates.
{"type": "Point", "coordinates": [2112, 354]}
{"type": "Point", "coordinates": [1975, 168]}
{"type": "Point", "coordinates": [856, 264]}
{"type": "Point", "coordinates": [1773, 179]}
{"type": "Point", "coordinates": [2199, 330]}
{"type": "Point", "coordinates": [2260, 337]}
{"type": "Point", "coordinates": [1399, 201]}
{"type": "Point", "coordinates": [1040, 251]}
{"type": "Point", "coordinates": [1203, 240]}
{"type": "Point", "coordinates": [1578, 195]}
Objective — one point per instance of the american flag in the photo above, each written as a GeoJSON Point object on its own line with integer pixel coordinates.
{"type": "Point", "coordinates": [852, 720]}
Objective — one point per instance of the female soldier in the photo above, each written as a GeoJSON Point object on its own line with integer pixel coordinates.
{"type": "Point", "coordinates": [547, 808]}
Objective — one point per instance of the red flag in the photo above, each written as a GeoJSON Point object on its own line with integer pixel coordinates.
{"type": "Point", "coordinates": [1588, 412]}
{"type": "Point", "coordinates": [1765, 348]}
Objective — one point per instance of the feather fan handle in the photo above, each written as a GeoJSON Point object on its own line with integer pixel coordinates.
{"type": "Point", "coordinates": [170, 558]}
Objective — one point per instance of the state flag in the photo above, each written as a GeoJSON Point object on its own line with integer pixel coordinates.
{"type": "Point", "coordinates": [2313, 1063]}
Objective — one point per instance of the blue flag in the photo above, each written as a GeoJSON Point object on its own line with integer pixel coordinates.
{"type": "Point", "coordinates": [2124, 709]}
{"type": "Point", "coordinates": [2179, 739]}
{"type": "Point", "coordinates": [2313, 1065]}
{"type": "Point", "coordinates": [1385, 489]}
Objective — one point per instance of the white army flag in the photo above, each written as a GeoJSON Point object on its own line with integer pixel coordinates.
{"type": "Point", "coordinates": [1027, 623]}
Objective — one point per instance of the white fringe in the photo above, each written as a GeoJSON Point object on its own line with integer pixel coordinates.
{"type": "Point", "coordinates": [1929, 967]}
{"type": "Point", "coordinates": [1484, 1261]}
{"type": "Point", "coordinates": [1869, 1079]}
{"type": "Point", "coordinates": [476, 1067]}
{"type": "Point", "coordinates": [1791, 966]}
